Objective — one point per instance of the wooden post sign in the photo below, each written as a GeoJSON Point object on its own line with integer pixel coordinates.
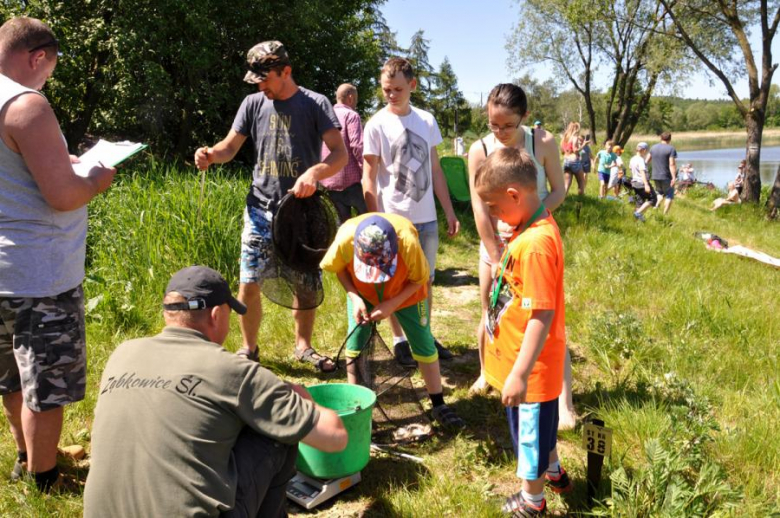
{"type": "Point", "coordinates": [597, 441]}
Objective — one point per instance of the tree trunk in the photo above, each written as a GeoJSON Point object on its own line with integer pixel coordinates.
{"type": "Point", "coordinates": [754, 121]}
{"type": "Point", "coordinates": [773, 203]}
{"type": "Point", "coordinates": [592, 118]}
{"type": "Point", "coordinates": [75, 131]}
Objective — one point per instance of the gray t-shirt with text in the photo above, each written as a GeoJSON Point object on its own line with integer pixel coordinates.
{"type": "Point", "coordinates": [287, 136]}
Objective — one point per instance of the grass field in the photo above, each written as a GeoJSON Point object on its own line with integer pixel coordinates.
{"type": "Point", "coordinates": [675, 347]}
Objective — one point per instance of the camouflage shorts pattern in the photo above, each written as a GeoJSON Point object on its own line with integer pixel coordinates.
{"type": "Point", "coordinates": [43, 349]}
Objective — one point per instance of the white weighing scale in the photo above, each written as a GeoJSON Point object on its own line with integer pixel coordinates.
{"type": "Point", "coordinates": [310, 492]}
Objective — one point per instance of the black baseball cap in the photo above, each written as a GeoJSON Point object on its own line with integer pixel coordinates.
{"type": "Point", "coordinates": [203, 288]}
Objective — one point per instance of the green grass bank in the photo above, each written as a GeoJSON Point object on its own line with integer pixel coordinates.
{"type": "Point", "coordinates": [674, 346]}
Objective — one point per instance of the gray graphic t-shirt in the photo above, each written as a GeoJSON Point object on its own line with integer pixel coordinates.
{"type": "Point", "coordinates": [288, 139]}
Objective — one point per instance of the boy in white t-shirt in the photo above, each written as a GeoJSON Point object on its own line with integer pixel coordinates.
{"type": "Point", "coordinates": [401, 173]}
{"type": "Point", "coordinates": [646, 196]}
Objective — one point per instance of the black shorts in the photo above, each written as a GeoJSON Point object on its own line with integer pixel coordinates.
{"type": "Point", "coordinates": [643, 196]}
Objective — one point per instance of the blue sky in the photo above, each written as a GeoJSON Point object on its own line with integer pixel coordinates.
{"type": "Point", "coordinates": [473, 34]}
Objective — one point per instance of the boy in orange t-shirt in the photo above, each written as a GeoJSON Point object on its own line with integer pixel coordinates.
{"type": "Point", "coordinates": [525, 349]}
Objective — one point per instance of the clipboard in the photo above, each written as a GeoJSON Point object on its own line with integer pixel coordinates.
{"type": "Point", "coordinates": [107, 153]}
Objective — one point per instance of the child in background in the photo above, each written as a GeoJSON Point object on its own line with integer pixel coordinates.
{"type": "Point", "coordinates": [379, 262]}
{"type": "Point", "coordinates": [526, 344]}
{"type": "Point", "coordinates": [640, 182]}
{"type": "Point", "coordinates": [617, 171]}
{"type": "Point", "coordinates": [606, 160]}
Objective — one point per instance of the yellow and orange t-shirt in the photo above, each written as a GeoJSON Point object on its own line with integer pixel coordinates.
{"type": "Point", "coordinates": [412, 264]}
{"type": "Point", "coordinates": [533, 280]}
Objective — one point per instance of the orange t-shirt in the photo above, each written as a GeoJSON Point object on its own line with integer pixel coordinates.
{"type": "Point", "coordinates": [533, 279]}
{"type": "Point", "coordinates": [412, 264]}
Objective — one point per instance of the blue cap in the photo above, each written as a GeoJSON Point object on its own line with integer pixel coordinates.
{"type": "Point", "coordinates": [376, 250]}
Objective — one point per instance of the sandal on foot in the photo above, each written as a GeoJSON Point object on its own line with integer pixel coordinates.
{"type": "Point", "coordinates": [253, 354]}
{"type": "Point", "coordinates": [519, 507]}
{"type": "Point", "coordinates": [316, 359]}
{"type": "Point", "coordinates": [447, 418]}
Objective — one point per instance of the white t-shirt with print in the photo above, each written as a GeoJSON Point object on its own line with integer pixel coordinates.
{"type": "Point", "coordinates": [405, 177]}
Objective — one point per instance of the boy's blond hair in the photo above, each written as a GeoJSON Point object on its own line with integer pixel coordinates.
{"type": "Point", "coordinates": [395, 65]}
{"type": "Point", "coordinates": [506, 167]}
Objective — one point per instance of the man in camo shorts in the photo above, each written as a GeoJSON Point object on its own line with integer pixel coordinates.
{"type": "Point", "coordinates": [43, 227]}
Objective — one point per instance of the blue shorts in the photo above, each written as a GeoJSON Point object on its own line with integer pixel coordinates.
{"type": "Point", "coordinates": [429, 241]}
{"type": "Point", "coordinates": [534, 431]}
{"type": "Point", "coordinates": [258, 260]}
{"type": "Point", "coordinates": [603, 177]}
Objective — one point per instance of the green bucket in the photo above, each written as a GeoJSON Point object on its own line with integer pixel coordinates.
{"type": "Point", "coordinates": [354, 404]}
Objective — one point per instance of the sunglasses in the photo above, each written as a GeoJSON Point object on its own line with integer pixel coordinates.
{"type": "Point", "coordinates": [50, 43]}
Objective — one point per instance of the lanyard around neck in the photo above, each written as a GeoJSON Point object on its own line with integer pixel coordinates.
{"type": "Point", "coordinates": [497, 283]}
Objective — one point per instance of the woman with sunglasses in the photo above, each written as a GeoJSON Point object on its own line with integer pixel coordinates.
{"type": "Point", "coordinates": [507, 108]}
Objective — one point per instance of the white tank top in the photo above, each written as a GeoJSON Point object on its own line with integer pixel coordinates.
{"type": "Point", "coordinates": [41, 249]}
{"type": "Point", "coordinates": [491, 144]}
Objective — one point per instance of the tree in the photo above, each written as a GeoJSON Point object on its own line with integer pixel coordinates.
{"type": "Point", "coordinates": [625, 41]}
{"type": "Point", "coordinates": [450, 108]}
{"type": "Point", "coordinates": [543, 102]}
{"type": "Point", "coordinates": [638, 44]}
{"type": "Point", "coordinates": [560, 33]}
{"type": "Point", "coordinates": [716, 32]}
{"type": "Point", "coordinates": [169, 72]}
{"type": "Point", "coordinates": [417, 55]}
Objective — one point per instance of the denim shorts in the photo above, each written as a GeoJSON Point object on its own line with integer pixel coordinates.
{"type": "Point", "coordinates": [258, 260]}
{"type": "Point", "coordinates": [603, 177]}
{"type": "Point", "coordinates": [429, 240]}
{"type": "Point", "coordinates": [572, 166]}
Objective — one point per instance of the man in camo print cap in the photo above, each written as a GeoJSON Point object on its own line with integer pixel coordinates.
{"type": "Point", "coordinates": [264, 57]}
{"type": "Point", "coordinates": [287, 124]}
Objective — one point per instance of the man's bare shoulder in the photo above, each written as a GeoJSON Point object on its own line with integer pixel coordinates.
{"type": "Point", "coordinates": [25, 110]}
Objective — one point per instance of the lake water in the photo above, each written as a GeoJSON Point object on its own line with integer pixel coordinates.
{"type": "Point", "coordinates": [719, 166]}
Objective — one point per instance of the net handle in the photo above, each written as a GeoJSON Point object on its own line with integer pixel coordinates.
{"type": "Point", "coordinates": [350, 361]}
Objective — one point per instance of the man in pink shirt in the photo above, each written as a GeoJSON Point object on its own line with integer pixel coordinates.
{"type": "Point", "coordinates": [344, 187]}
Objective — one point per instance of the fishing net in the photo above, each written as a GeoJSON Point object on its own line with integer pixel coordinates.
{"type": "Point", "coordinates": [302, 230]}
{"type": "Point", "coordinates": [399, 416]}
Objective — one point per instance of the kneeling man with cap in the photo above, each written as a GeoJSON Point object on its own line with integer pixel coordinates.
{"type": "Point", "coordinates": [184, 428]}
{"type": "Point", "coordinates": [381, 265]}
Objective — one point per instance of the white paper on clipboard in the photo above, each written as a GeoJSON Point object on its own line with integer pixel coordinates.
{"type": "Point", "coordinates": [107, 153]}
